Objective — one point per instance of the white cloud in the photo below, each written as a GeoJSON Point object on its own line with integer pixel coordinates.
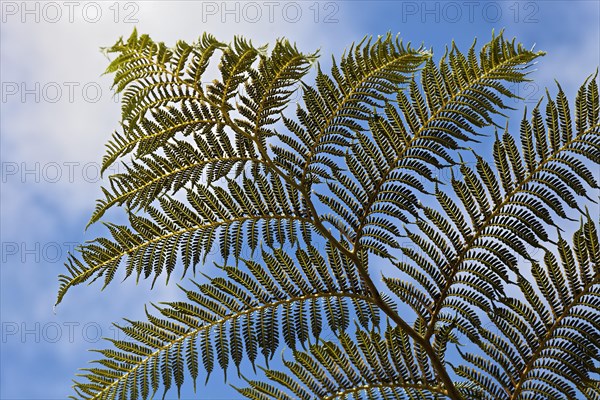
{"type": "Point", "coordinates": [64, 58]}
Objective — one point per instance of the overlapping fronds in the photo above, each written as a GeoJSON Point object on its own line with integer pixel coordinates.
{"type": "Point", "coordinates": [495, 215]}
{"type": "Point", "coordinates": [163, 96]}
{"type": "Point", "coordinates": [333, 109]}
{"type": "Point", "coordinates": [239, 316]}
{"type": "Point", "coordinates": [267, 89]}
{"type": "Point", "coordinates": [249, 210]}
{"type": "Point", "coordinates": [413, 138]}
{"type": "Point", "coordinates": [218, 166]}
{"type": "Point", "coordinates": [153, 79]}
{"type": "Point", "coordinates": [369, 366]}
{"type": "Point", "coordinates": [546, 342]}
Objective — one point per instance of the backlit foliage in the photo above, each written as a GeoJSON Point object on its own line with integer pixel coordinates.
{"type": "Point", "coordinates": [334, 230]}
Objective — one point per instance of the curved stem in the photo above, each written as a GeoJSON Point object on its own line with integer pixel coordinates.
{"type": "Point", "coordinates": [437, 365]}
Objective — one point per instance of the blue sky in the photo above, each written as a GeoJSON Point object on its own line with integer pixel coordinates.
{"type": "Point", "coordinates": [58, 111]}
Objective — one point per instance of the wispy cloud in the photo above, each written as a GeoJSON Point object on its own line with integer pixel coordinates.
{"type": "Point", "coordinates": [58, 111]}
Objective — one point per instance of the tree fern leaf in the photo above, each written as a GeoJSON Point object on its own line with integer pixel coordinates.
{"type": "Point", "coordinates": [364, 371]}
{"type": "Point", "coordinates": [508, 224]}
{"type": "Point", "coordinates": [593, 102]}
{"type": "Point", "coordinates": [222, 212]}
{"type": "Point", "coordinates": [368, 142]}
{"type": "Point", "coordinates": [560, 351]}
{"type": "Point", "coordinates": [213, 321]}
{"type": "Point", "coordinates": [365, 73]}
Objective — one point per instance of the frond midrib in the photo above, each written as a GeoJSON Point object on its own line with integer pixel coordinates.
{"type": "Point", "coordinates": [173, 127]}
{"type": "Point", "coordinates": [478, 232]}
{"type": "Point", "coordinates": [113, 155]}
{"type": "Point", "coordinates": [142, 111]}
{"type": "Point", "coordinates": [542, 345]}
{"type": "Point", "coordinates": [91, 271]}
{"type": "Point", "coordinates": [120, 198]}
{"type": "Point", "coordinates": [408, 146]}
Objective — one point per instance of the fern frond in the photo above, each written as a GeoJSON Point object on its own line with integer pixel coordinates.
{"type": "Point", "coordinates": [550, 345]}
{"type": "Point", "coordinates": [183, 165]}
{"type": "Point", "coordinates": [351, 170]}
{"type": "Point", "coordinates": [228, 319]}
{"type": "Point", "coordinates": [458, 96]}
{"type": "Point", "coordinates": [161, 88]}
{"type": "Point", "coordinates": [259, 208]}
{"type": "Point", "coordinates": [365, 75]}
{"type": "Point", "coordinates": [163, 95]}
{"type": "Point", "coordinates": [373, 366]}
{"type": "Point", "coordinates": [270, 86]}
{"type": "Point", "coordinates": [508, 209]}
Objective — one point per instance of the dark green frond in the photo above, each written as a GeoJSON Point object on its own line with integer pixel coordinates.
{"type": "Point", "coordinates": [230, 319]}
{"type": "Point", "coordinates": [258, 208]}
{"type": "Point", "coordinates": [269, 87]}
{"type": "Point", "coordinates": [163, 97]}
{"type": "Point", "coordinates": [415, 137]}
{"type": "Point", "coordinates": [334, 108]}
{"type": "Point", "coordinates": [373, 366]}
{"type": "Point", "coordinates": [482, 295]}
{"type": "Point", "coordinates": [509, 211]}
{"type": "Point", "coordinates": [550, 345]}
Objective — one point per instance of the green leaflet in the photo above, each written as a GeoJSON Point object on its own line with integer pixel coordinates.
{"type": "Point", "coordinates": [371, 367]}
